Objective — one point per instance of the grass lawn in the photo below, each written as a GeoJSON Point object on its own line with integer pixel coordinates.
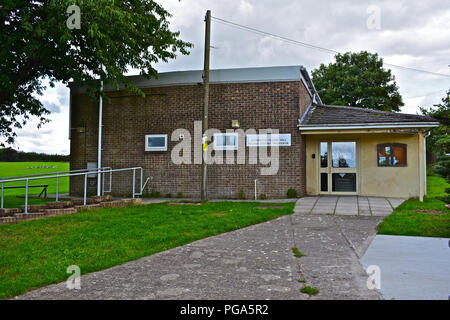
{"type": "Point", "coordinates": [37, 253]}
{"type": "Point", "coordinates": [8, 169]}
{"type": "Point", "coordinates": [429, 218]}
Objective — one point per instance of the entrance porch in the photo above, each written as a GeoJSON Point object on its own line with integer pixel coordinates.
{"type": "Point", "coordinates": [366, 164]}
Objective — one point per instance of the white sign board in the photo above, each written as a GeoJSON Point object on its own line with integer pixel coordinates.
{"type": "Point", "coordinates": [267, 140]}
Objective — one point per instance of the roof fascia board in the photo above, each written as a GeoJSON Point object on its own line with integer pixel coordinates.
{"type": "Point", "coordinates": [310, 105]}
{"type": "Point", "coordinates": [370, 126]}
{"type": "Point", "coordinates": [306, 86]}
{"type": "Point", "coordinates": [305, 73]}
{"type": "Point", "coordinates": [217, 76]}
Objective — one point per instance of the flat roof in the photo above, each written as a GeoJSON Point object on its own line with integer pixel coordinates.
{"type": "Point", "coordinates": [235, 75]}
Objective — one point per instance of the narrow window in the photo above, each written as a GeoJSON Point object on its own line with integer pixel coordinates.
{"type": "Point", "coordinates": [324, 182]}
{"type": "Point", "coordinates": [391, 155]}
{"type": "Point", "coordinates": [323, 155]}
{"type": "Point", "coordinates": [156, 142]}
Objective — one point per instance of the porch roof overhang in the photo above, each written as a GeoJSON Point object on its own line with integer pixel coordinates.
{"type": "Point", "coordinates": [327, 119]}
{"type": "Point", "coordinates": [391, 127]}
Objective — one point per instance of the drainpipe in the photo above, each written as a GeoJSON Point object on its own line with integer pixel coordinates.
{"type": "Point", "coordinates": [425, 157]}
{"type": "Point", "coordinates": [100, 125]}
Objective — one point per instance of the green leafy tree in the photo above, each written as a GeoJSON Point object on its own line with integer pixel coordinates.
{"type": "Point", "coordinates": [359, 80]}
{"type": "Point", "coordinates": [37, 42]}
{"type": "Point", "coordinates": [439, 140]}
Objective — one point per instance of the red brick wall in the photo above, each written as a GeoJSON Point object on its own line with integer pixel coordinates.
{"type": "Point", "coordinates": [127, 119]}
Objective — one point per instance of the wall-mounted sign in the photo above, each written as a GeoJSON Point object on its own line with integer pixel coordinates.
{"type": "Point", "coordinates": [267, 140]}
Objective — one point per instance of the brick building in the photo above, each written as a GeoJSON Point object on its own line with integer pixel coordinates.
{"type": "Point", "coordinates": [140, 132]}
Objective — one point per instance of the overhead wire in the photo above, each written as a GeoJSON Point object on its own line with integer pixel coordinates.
{"type": "Point", "coordinates": [311, 46]}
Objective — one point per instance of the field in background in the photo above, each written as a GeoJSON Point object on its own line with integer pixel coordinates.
{"type": "Point", "coordinates": [14, 197]}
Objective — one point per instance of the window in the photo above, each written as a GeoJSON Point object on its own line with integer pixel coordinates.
{"type": "Point", "coordinates": [156, 142]}
{"type": "Point", "coordinates": [226, 141]}
{"type": "Point", "coordinates": [391, 155]}
{"type": "Point", "coordinates": [343, 154]}
{"type": "Point", "coordinates": [323, 155]}
{"type": "Point", "coordinates": [324, 181]}
{"type": "Point", "coordinates": [344, 182]}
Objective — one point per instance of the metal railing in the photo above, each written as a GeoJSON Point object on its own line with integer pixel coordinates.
{"type": "Point", "coordinates": [79, 172]}
{"type": "Point", "coordinates": [55, 173]}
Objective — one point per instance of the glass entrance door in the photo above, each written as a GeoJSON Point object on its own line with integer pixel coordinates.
{"type": "Point", "coordinates": [338, 167]}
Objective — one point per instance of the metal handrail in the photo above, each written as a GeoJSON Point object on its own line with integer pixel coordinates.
{"type": "Point", "coordinates": [58, 172]}
{"type": "Point", "coordinates": [58, 175]}
{"type": "Point", "coordinates": [88, 171]}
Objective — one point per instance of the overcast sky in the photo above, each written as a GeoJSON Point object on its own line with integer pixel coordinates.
{"type": "Point", "coordinates": [411, 33]}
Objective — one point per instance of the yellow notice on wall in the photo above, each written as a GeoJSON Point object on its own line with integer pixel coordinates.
{"type": "Point", "coordinates": [205, 143]}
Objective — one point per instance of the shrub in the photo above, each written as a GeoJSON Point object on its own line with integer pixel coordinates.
{"type": "Point", "coordinates": [242, 195]}
{"type": "Point", "coordinates": [169, 195]}
{"type": "Point", "coordinates": [292, 193]}
{"type": "Point", "coordinates": [445, 199]}
{"type": "Point", "coordinates": [442, 167]}
{"type": "Point", "coordinates": [263, 196]}
{"type": "Point", "coordinates": [179, 195]}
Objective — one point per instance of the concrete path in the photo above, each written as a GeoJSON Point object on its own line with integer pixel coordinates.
{"type": "Point", "coordinates": [251, 263]}
{"type": "Point", "coordinates": [347, 205]}
{"type": "Point", "coordinates": [411, 267]}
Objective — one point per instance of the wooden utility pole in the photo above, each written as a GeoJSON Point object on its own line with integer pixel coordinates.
{"type": "Point", "coordinates": [204, 195]}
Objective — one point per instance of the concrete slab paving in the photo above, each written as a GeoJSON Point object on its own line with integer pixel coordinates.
{"type": "Point", "coordinates": [251, 263]}
{"type": "Point", "coordinates": [348, 205]}
{"type": "Point", "coordinates": [379, 213]}
{"type": "Point", "coordinates": [332, 245]}
{"type": "Point", "coordinates": [411, 267]}
{"type": "Point", "coordinates": [347, 212]}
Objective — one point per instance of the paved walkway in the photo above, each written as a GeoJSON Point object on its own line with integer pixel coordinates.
{"type": "Point", "coordinates": [411, 267]}
{"type": "Point", "coordinates": [250, 263]}
{"type": "Point", "coordinates": [347, 205]}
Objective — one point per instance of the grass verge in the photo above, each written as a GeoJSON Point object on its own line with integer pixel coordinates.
{"type": "Point", "coordinates": [429, 218]}
{"type": "Point", "coordinates": [37, 253]}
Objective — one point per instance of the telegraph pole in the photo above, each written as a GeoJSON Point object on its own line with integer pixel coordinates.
{"type": "Point", "coordinates": [204, 195]}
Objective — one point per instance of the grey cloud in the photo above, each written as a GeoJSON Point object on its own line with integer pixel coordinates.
{"type": "Point", "coordinates": [33, 132]}
{"type": "Point", "coordinates": [413, 33]}
{"type": "Point", "coordinates": [52, 107]}
{"type": "Point", "coordinates": [433, 98]}
{"type": "Point", "coordinates": [335, 25]}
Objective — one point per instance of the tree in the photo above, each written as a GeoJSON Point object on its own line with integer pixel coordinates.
{"type": "Point", "coordinates": [359, 80]}
{"type": "Point", "coordinates": [439, 140]}
{"type": "Point", "coordinates": [40, 39]}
